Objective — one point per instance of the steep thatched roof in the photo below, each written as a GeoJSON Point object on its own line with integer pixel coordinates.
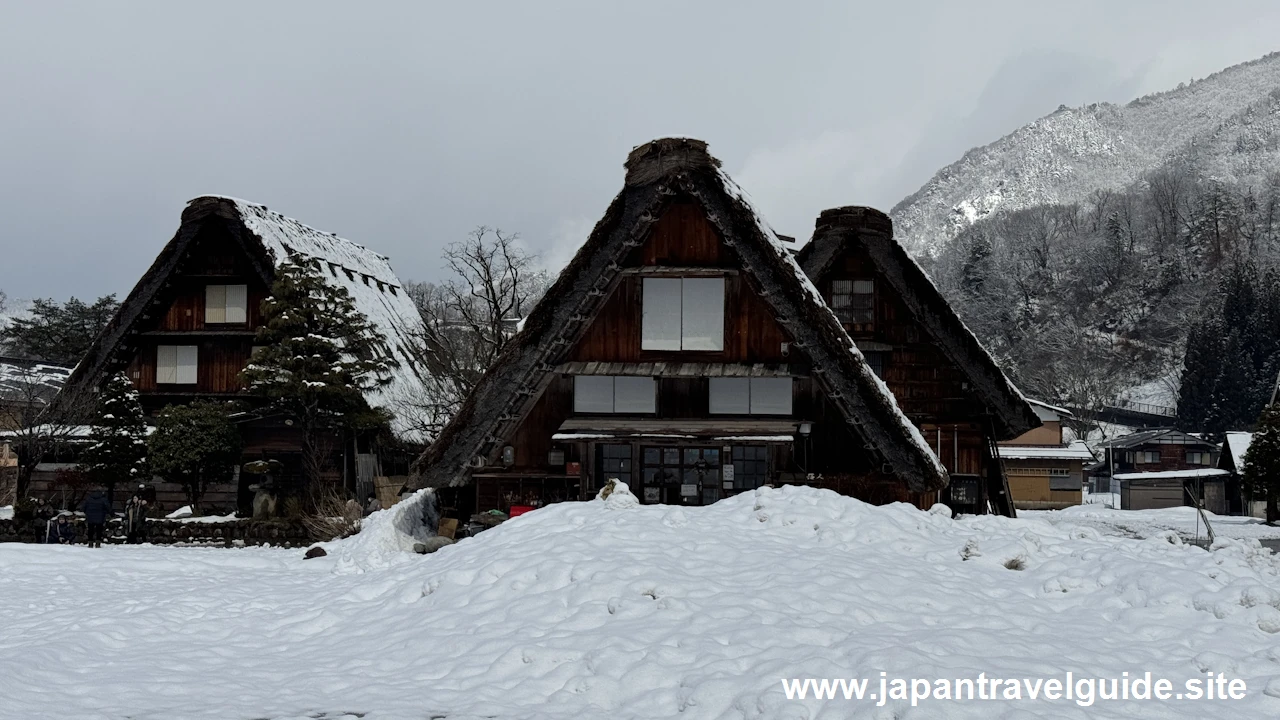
{"type": "Point", "coordinates": [269, 239]}
{"type": "Point", "coordinates": [871, 231]}
{"type": "Point", "coordinates": [657, 173]}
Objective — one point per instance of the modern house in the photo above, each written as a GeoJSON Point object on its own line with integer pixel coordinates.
{"type": "Point", "coordinates": [684, 351]}
{"type": "Point", "coordinates": [1045, 471]}
{"type": "Point", "coordinates": [187, 329]}
{"type": "Point", "coordinates": [1162, 468]}
{"type": "Point", "coordinates": [944, 381]}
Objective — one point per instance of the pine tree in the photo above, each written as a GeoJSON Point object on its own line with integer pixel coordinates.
{"type": "Point", "coordinates": [1262, 462]}
{"type": "Point", "coordinates": [1201, 367]}
{"type": "Point", "coordinates": [977, 264]}
{"type": "Point", "coordinates": [117, 451]}
{"type": "Point", "coordinates": [318, 357]}
{"type": "Point", "coordinates": [56, 332]}
{"type": "Point", "coordinates": [195, 446]}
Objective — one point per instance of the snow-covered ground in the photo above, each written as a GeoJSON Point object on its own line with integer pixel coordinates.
{"type": "Point", "coordinates": [1151, 523]}
{"type": "Point", "coordinates": [610, 609]}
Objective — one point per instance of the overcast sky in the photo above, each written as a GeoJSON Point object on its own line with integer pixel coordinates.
{"type": "Point", "coordinates": [402, 125]}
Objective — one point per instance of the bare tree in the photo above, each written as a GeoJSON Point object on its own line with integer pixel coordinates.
{"type": "Point", "coordinates": [34, 425]}
{"type": "Point", "coordinates": [469, 319]}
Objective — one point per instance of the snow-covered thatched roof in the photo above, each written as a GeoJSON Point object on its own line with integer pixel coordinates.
{"type": "Point", "coordinates": [376, 291]}
{"type": "Point", "coordinates": [271, 239]}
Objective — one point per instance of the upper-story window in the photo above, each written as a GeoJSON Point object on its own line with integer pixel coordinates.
{"type": "Point", "coordinates": [176, 364]}
{"type": "Point", "coordinates": [682, 314]}
{"type": "Point", "coordinates": [614, 394]}
{"type": "Point", "coordinates": [1147, 457]}
{"type": "Point", "coordinates": [750, 396]}
{"type": "Point", "coordinates": [854, 301]}
{"type": "Point", "coordinates": [1198, 458]}
{"type": "Point", "coordinates": [226, 304]}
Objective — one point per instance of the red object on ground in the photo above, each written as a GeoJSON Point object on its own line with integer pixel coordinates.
{"type": "Point", "coordinates": [517, 510]}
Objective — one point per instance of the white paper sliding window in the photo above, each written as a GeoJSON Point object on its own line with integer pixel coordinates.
{"type": "Point", "coordinates": [226, 304]}
{"type": "Point", "coordinates": [176, 364]}
{"type": "Point", "coordinates": [750, 396]}
{"type": "Point", "coordinates": [614, 394]}
{"type": "Point", "coordinates": [683, 314]}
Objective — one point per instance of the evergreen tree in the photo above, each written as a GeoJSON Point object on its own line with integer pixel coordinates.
{"type": "Point", "coordinates": [118, 450]}
{"type": "Point", "coordinates": [1262, 462]}
{"type": "Point", "coordinates": [56, 332]}
{"type": "Point", "coordinates": [195, 446]}
{"type": "Point", "coordinates": [1200, 371]}
{"type": "Point", "coordinates": [318, 357]}
{"type": "Point", "coordinates": [977, 262]}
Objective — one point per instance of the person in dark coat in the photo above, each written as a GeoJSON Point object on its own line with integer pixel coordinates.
{"type": "Point", "coordinates": [96, 511]}
{"type": "Point", "coordinates": [60, 532]}
{"type": "Point", "coordinates": [372, 505]}
{"type": "Point", "coordinates": [135, 519]}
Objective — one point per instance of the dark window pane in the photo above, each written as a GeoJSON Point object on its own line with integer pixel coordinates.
{"type": "Point", "coordinates": [652, 456]}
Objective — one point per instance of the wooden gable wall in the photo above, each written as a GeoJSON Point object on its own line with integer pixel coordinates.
{"type": "Point", "coordinates": [214, 258]}
{"type": "Point", "coordinates": [683, 238]}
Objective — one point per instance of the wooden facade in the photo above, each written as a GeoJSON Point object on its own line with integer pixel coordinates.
{"type": "Point", "coordinates": [529, 434]}
{"type": "Point", "coordinates": [681, 441]}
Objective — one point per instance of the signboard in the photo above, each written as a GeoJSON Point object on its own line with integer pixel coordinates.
{"type": "Point", "coordinates": [726, 473]}
{"type": "Point", "coordinates": [689, 490]}
{"type": "Point", "coordinates": [653, 495]}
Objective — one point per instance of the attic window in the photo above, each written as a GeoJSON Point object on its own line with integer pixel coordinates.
{"type": "Point", "coordinates": [350, 275]}
{"type": "Point", "coordinates": [854, 301]}
{"type": "Point", "coordinates": [382, 287]}
{"type": "Point", "coordinates": [333, 269]}
{"type": "Point", "coordinates": [225, 304]}
{"type": "Point", "coordinates": [392, 288]}
{"type": "Point", "coordinates": [365, 278]}
{"type": "Point", "coordinates": [682, 314]}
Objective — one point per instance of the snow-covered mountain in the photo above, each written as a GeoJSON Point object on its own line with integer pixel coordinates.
{"type": "Point", "coordinates": [1228, 123]}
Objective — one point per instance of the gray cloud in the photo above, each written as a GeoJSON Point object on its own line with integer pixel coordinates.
{"type": "Point", "coordinates": [402, 125]}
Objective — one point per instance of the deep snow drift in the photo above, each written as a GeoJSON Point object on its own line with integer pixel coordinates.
{"type": "Point", "coordinates": [612, 610]}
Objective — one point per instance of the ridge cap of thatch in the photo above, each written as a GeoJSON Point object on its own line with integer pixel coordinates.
{"type": "Point", "coordinates": [656, 159]}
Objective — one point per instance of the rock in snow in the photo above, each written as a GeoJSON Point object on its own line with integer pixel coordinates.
{"type": "Point", "coordinates": [579, 611]}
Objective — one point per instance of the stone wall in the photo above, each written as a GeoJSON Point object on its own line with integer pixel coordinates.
{"type": "Point", "coordinates": [286, 533]}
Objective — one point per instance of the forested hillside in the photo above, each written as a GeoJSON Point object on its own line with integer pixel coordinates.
{"type": "Point", "coordinates": [1081, 301]}
{"type": "Point", "coordinates": [1226, 122]}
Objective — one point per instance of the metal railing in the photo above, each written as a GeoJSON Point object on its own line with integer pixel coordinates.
{"type": "Point", "coordinates": [1146, 408]}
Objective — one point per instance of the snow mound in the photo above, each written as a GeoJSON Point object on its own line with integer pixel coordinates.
{"type": "Point", "coordinates": [183, 512]}
{"type": "Point", "coordinates": [577, 610]}
{"type": "Point", "coordinates": [386, 537]}
{"type": "Point", "coordinates": [6, 512]}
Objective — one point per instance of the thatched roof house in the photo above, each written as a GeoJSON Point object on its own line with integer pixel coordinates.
{"type": "Point", "coordinates": [224, 243]}
{"type": "Point", "coordinates": [675, 195]}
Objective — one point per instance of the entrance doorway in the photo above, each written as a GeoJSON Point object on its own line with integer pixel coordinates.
{"type": "Point", "coordinates": [680, 475]}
